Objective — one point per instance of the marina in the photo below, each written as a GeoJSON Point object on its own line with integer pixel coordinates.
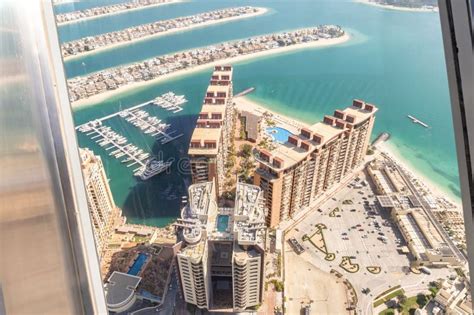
{"type": "Point", "coordinates": [117, 145]}
{"type": "Point", "coordinates": [170, 102]}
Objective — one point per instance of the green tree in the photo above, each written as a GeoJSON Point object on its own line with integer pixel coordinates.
{"type": "Point", "coordinates": [402, 298]}
{"type": "Point", "coordinates": [246, 150]}
{"type": "Point", "coordinates": [421, 300]}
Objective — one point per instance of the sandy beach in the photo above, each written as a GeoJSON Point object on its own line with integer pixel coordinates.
{"type": "Point", "coordinates": [433, 187]}
{"type": "Point", "coordinates": [119, 12]}
{"type": "Point", "coordinates": [244, 103]}
{"type": "Point", "coordinates": [397, 8]}
{"type": "Point", "coordinates": [260, 11]}
{"type": "Point", "coordinates": [93, 100]}
{"type": "Point", "coordinates": [249, 105]}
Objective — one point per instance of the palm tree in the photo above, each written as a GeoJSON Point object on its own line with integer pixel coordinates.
{"type": "Point", "coordinates": [402, 298]}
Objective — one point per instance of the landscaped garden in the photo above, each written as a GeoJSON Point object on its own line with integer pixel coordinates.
{"type": "Point", "coordinates": [334, 212]}
{"type": "Point", "coordinates": [406, 305]}
{"type": "Point", "coordinates": [374, 269]}
{"type": "Point", "coordinates": [348, 265]}
{"type": "Point", "coordinates": [317, 240]}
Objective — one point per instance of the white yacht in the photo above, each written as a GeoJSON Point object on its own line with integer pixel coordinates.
{"type": "Point", "coordinates": [153, 167]}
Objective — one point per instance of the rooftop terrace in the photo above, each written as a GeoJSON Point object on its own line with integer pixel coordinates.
{"type": "Point", "coordinates": [202, 220]}
{"type": "Point", "coordinates": [298, 147]}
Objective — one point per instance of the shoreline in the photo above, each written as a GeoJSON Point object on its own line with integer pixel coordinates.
{"type": "Point", "coordinates": [244, 102]}
{"type": "Point", "coordinates": [433, 187]}
{"type": "Point", "coordinates": [117, 12]}
{"type": "Point", "coordinates": [396, 8]}
{"type": "Point", "coordinates": [93, 100]}
{"type": "Point", "coordinates": [261, 11]}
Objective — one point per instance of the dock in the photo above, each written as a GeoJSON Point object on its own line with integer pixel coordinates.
{"type": "Point", "coordinates": [245, 92]}
{"type": "Point", "coordinates": [149, 124]}
{"type": "Point", "coordinates": [115, 144]}
{"type": "Point", "coordinates": [417, 121]}
{"type": "Point", "coordinates": [170, 102]}
{"type": "Point", "coordinates": [382, 137]}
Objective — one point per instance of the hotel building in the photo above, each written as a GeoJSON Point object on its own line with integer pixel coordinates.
{"type": "Point", "coordinates": [99, 198]}
{"type": "Point", "coordinates": [299, 170]}
{"type": "Point", "coordinates": [428, 244]}
{"type": "Point", "coordinates": [211, 136]}
{"type": "Point", "coordinates": [221, 262]}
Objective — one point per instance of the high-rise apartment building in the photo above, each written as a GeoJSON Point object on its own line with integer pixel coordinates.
{"type": "Point", "coordinates": [221, 263]}
{"type": "Point", "coordinates": [99, 198]}
{"type": "Point", "coordinates": [211, 136]}
{"type": "Point", "coordinates": [297, 171]}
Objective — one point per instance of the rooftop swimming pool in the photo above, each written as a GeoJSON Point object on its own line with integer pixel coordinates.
{"type": "Point", "coordinates": [138, 264]}
{"type": "Point", "coordinates": [222, 222]}
{"type": "Point", "coordinates": [278, 134]}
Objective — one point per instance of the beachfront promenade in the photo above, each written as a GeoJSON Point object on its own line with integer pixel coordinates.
{"type": "Point", "coordinates": [115, 78]}
{"type": "Point", "coordinates": [96, 12]}
{"type": "Point", "coordinates": [99, 42]}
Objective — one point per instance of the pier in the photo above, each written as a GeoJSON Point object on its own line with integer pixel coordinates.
{"type": "Point", "coordinates": [170, 102]}
{"type": "Point", "coordinates": [417, 121]}
{"type": "Point", "coordinates": [384, 136]}
{"type": "Point", "coordinates": [116, 144]}
{"type": "Point", "coordinates": [149, 125]}
{"type": "Point", "coordinates": [245, 92]}
{"type": "Point", "coordinates": [141, 119]}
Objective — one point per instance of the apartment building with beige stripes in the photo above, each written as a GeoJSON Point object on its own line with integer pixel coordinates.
{"type": "Point", "coordinates": [296, 172]}
{"type": "Point", "coordinates": [211, 137]}
{"type": "Point", "coordinates": [100, 201]}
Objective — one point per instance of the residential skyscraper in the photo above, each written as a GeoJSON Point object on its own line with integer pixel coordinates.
{"type": "Point", "coordinates": [299, 170]}
{"type": "Point", "coordinates": [211, 136]}
{"type": "Point", "coordinates": [99, 197]}
{"type": "Point", "coordinates": [221, 263]}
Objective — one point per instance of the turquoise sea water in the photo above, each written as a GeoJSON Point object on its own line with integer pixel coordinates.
{"type": "Point", "coordinates": [394, 60]}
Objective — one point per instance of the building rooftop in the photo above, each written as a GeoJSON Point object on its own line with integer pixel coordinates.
{"type": "Point", "coordinates": [195, 252]}
{"type": "Point", "coordinates": [328, 132]}
{"type": "Point", "coordinates": [423, 235]}
{"type": "Point", "coordinates": [196, 216]}
{"type": "Point", "coordinates": [241, 254]}
{"type": "Point", "coordinates": [298, 147]}
{"type": "Point", "coordinates": [249, 216]}
{"type": "Point", "coordinates": [218, 88]}
{"type": "Point", "coordinates": [202, 220]}
{"type": "Point", "coordinates": [202, 135]}
{"type": "Point", "coordinates": [359, 113]}
{"type": "Point", "coordinates": [207, 108]}
{"type": "Point", "coordinates": [200, 196]}
{"type": "Point", "coordinates": [120, 289]}
{"type": "Point", "coordinates": [205, 140]}
{"type": "Point", "coordinates": [219, 70]}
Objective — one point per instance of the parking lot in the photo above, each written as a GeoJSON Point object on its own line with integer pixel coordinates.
{"type": "Point", "coordinates": [358, 228]}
